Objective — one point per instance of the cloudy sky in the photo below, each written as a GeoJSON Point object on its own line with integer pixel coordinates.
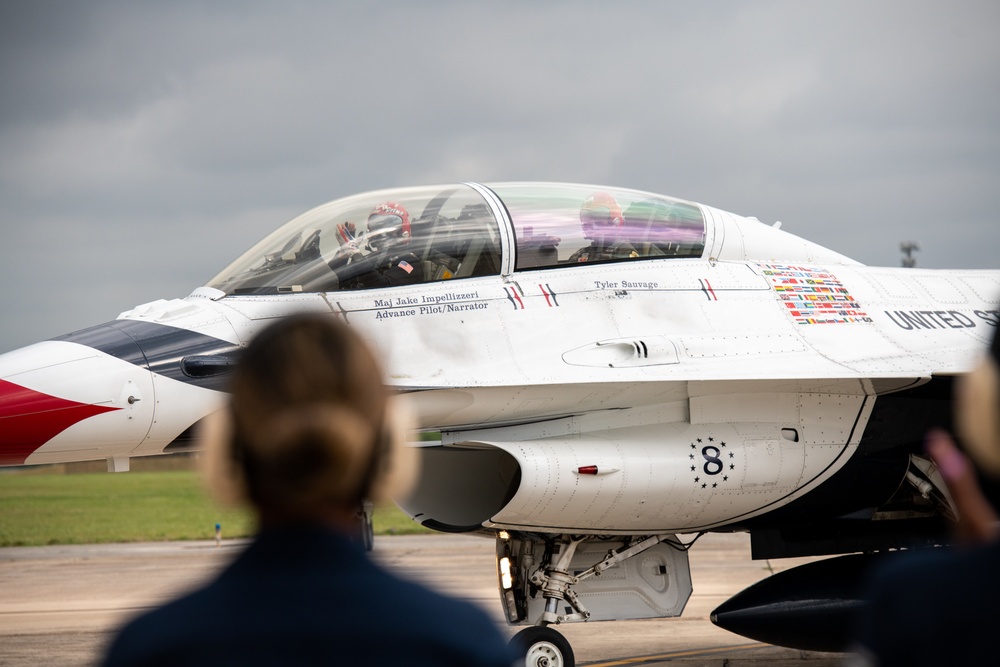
{"type": "Point", "coordinates": [143, 146]}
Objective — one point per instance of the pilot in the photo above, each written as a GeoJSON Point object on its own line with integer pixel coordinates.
{"type": "Point", "coordinates": [602, 222]}
{"type": "Point", "coordinates": [389, 262]}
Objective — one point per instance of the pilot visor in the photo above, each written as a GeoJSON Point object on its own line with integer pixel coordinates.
{"type": "Point", "coordinates": [600, 215]}
{"type": "Point", "coordinates": [382, 228]}
{"type": "Point", "coordinates": [384, 222]}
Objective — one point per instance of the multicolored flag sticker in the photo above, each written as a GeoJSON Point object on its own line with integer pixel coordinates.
{"type": "Point", "coordinates": [813, 295]}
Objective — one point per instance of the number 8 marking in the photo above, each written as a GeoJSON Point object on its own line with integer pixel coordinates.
{"type": "Point", "coordinates": [713, 465]}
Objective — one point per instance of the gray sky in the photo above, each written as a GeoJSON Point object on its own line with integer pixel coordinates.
{"type": "Point", "coordinates": [143, 146]}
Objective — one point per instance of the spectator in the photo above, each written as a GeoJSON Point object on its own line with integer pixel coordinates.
{"type": "Point", "coordinates": [309, 433]}
{"type": "Point", "coordinates": [939, 606]}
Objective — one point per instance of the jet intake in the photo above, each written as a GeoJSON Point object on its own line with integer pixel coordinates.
{"type": "Point", "coordinates": [459, 488]}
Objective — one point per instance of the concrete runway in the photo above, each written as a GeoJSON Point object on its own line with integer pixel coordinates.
{"type": "Point", "coordinates": [60, 605]}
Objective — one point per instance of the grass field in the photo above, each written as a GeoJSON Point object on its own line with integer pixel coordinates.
{"type": "Point", "coordinates": [90, 508]}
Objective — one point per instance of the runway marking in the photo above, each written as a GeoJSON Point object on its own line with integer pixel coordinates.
{"type": "Point", "coordinates": [669, 656]}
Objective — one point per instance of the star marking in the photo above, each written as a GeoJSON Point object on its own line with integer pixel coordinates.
{"type": "Point", "coordinates": [691, 456]}
{"type": "Point", "coordinates": [714, 485]}
{"type": "Point", "coordinates": [711, 439]}
{"type": "Point", "coordinates": [731, 466]}
{"type": "Point", "coordinates": [692, 445]}
{"type": "Point", "coordinates": [722, 444]}
{"type": "Point", "coordinates": [692, 468]}
{"type": "Point", "coordinates": [699, 439]}
{"type": "Point", "coordinates": [703, 485]}
{"type": "Point", "coordinates": [697, 479]}
{"type": "Point", "coordinates": [725, 478]}
{"type": "Point", "coordinates": [730, 455]}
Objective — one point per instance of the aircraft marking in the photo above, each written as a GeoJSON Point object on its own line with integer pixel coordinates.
{"type": "Point", "coordinates": [408, 306]}
{"type": "Point", "coordinates": [163, 347]}
{"type": "Point", "coordinates": [814, 296]}
{"type": "Point", "coordinates": [715, 463]}
{"type": "Point", "coordinates": [514, 298]}
{"type": "Point", "coordinates": [910, 320]}
{"type": "Point", "coordinates": [626, 284]}
{"type": "Point", "coordinates": [450, 296]}
{"type": "Point", "coordinates": [29, 419]}
{"type": "Point", "coordinates": [547, 292]}
{"type": "Point", "coordinates": [706, 287]}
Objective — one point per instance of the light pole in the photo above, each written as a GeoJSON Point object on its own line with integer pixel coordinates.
{"type": "Point", "coordinates": [908, 248]}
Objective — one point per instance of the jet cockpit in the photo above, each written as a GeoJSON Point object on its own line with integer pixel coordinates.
{"type": "Point", "coordinates": [464, 231]}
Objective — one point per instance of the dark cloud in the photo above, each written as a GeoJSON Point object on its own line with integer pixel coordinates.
{"type": "Point", "coordinates": [144, 145]}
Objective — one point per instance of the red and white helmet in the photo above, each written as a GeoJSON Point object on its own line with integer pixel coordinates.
{"type": "Point", "coordinates": [600, 213]}
{"type": "Point", "coordinates": [388, 225]}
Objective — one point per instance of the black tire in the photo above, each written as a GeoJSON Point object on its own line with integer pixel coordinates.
{"type": "Point", "coordinates": [542, 646]}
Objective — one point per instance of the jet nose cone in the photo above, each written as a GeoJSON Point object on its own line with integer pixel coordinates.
{"type": "Point", "coordinates": [49, 393]}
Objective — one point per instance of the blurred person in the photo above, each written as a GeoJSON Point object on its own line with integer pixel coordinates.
{"type": "Point", "coordinates": [939, 606]}
{"type": "Point", "coordinates": [309, 433]}
{"type": "Point", "coordinates": [390, 261]}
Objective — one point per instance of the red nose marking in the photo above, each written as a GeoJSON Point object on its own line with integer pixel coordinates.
{"type": "Point", "coordinates": [29, 419]}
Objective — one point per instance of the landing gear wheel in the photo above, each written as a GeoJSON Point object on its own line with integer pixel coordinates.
{"type": "Point", "coordinates": [543, 647]}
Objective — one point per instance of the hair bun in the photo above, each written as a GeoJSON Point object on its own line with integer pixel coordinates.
{"type": "Point", "coordinates": [315, 453]}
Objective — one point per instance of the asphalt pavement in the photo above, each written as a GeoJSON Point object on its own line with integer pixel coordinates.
{"type": "Point", "coordinates": [60, 605]}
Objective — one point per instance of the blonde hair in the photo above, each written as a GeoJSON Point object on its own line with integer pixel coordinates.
{"type": "Point", "coordinates": [310, 424]}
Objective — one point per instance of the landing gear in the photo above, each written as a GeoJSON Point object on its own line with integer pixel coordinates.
{"type": "Point", "coordinates": [556, 582]}
{"type": "Point", "coordinates": [543, 647]}
{"type": "Point", "coordinates": [548, 580]}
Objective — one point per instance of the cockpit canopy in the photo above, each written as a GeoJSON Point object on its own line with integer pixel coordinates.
{"type": "Point", "coordinates": [465, 231]}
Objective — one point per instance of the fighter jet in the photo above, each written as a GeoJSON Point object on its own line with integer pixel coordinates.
{"type": "Point", "coordinates": [611, 373]}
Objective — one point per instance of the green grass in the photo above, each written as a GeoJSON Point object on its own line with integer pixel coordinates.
{"type": "Point", "coordinates": [41, 509]}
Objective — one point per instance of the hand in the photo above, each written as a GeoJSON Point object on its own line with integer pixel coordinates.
{"type": "Point", "coordinates": [977, 520]}
{"type": "Point", "coordinates": [346, 234]}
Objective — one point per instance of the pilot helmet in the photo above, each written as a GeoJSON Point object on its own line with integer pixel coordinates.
{"type": "Point", "coordinates": [600, 214]}
{"type": "Point", "coordinates": [388, 226]}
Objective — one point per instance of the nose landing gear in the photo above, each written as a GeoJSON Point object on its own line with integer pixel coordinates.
{"type": "Point", "coordinates": [543, 647]}
{"type": "Point", "coordinates": [553, 579]}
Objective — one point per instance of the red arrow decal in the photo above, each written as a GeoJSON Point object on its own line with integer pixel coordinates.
{"type": "Point", "coordinates": [29, 419]}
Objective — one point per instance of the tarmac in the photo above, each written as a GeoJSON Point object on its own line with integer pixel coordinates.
{"type": "Point", "coordinates": [60, 605]}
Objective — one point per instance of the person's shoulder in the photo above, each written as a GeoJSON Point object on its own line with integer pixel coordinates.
{"type": "Point", "coordinates": [939, 559]}
{"type": "Point", "coordinates": [435, 605]}
{"type": "Point", "coordinates": [149, 633]}
{"type": "Point", "coordinates": [895, 568]}
{"type": "Point", "coordinates": [436, 628]}
{"type": "Point", "coordinates": [941, 572]}
{"type": "Point", "coordinates": [914, 594]}
{"type": "Point", "coordinates": [430, 600]}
